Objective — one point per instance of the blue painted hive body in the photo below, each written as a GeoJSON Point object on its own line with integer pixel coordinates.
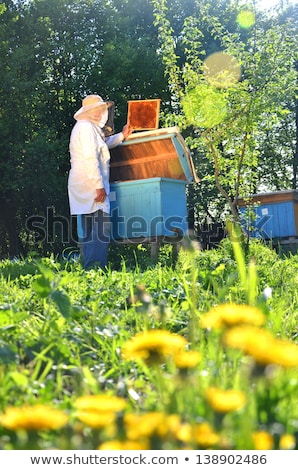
{"type": "Point", "coordinates": [149, 174]}
{"type": "Point", "coordinates": [274, 215]}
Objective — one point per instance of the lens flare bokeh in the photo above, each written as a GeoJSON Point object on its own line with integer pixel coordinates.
{"type": "Point", "coordinates": [204, 106]}
{"type": "Point", "coordinates": [246, 19]}
{"type": "Point", "coordinates": [221, 70]}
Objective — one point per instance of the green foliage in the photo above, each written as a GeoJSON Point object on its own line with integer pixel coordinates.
{"type": "Point", "coordinates": [53, 53]}
{"type": "Point", "coordinates": [63, 330]}
{"type": "Point", "coordinates": [204, 106]}
{"type": "Point", "coordinates": [232, 124]}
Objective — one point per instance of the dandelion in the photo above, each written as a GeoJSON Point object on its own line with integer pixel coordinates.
{"type": "Point", "coordinates": [96, 420]}
{"type": "Point", "coordinates": [154, 424]}
{"type": "Point", "coordinates": [205, 436]}
{"type": "Point", "coordinates": [145, 425]}
{"type": "Point", "coordinates": [246, 337]}
{"type": "Point", "coordinates": [173, 423]}
{"type": "Point", "coordinates": [184, 433]}
{"type": "Point", "coordinates": [98, 411]}
{"type": "Point", "coordinates": [153, 346]}
{"type": "Point", "coordinates": [287, 442]}
{"type": "Point", "coordinates": [229, 315]}
{"type": "Point", "coordinates": [100, 404]}
{"type": "Point", "coordinates": [202, 435]}
{"type": "Point", "coordinates": [224, 401]}
{"type": "Point", "coordinates": [187, 359]}
{"type": "Point", "coordinates": [262, 346]}
{"type": "Point", "coordinates": [283, 353]}
{"type": "Point", "coordinates": [262, 440]}
{"type": "Point", "coordinates": [33, 418]}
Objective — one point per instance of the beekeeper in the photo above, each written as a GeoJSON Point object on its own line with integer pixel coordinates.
{"type": "Point", "coordinates": [88, 181]}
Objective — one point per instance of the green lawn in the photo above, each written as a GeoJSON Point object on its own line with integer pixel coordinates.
{"type": "Point", "coordinates": [81, 368]}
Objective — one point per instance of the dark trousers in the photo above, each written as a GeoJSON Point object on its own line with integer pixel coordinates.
{"type": "Point", "coordinates": [94, 237]}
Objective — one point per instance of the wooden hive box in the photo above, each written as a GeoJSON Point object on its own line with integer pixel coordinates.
{"type": "Point", "coordinates": [275, 214]}
{"type": "Point", "coordinates": [149, 173]}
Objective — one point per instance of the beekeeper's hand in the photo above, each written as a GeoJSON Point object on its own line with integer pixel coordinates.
{"type": "Point", "coordinates": [126, 131]}
{"type": "Point", "coordinates": [100, 195]}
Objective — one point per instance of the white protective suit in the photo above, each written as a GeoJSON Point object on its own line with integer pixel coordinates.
{"type": "Point", "coordinates": [90, 166]}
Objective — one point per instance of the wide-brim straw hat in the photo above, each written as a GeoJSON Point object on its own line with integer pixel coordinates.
{"type": "Point", "coordinates": [91, 102]}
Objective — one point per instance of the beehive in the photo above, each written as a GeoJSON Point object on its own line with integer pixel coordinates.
{"type": "Point", "coordinates": [149, 174]}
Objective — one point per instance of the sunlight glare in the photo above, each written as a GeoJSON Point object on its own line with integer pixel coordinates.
{"type": "Point", "coordinates": [222, 70]}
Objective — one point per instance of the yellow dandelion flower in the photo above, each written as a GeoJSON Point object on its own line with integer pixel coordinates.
{"type": "Point", "coordinates": [246, 337]}
{"type": "Point", "coordinates": [153, 346]}
{"type": "Point", "coordinates": [262, 440]}
{"type": "Point", "coordinates": [96, 420]}
{"type": "Point", "coordinates": [201, 434]}
{"type": "Point", "coordinates": [145, 425]}
{"type": "Point", "coordinates": [184, 433]}
{"type": "Point", "coordinates": [287, 442]}
{"type": "Point", "coordinates": [98, 411]}
{"type": "Point", "coordinates": [283, 353]}
{"type": "Point", "coordinates": [262, 346]}
{"type": "Point", "coordinates": [100, 404]}
{"type": "Point", "coordinates": [204, 435]}
{"type": "Point", "coordinates": [224, 401]}
{"type": "Point", "coordinates": [187, 359]}
{"type": "Point", "coordinates": [171, 427]}
{"type": "Point", "coordinates": [124, 445]}
{"type": "Point", "coordinates": [228, 315]}
{"type": "Point", "coordinates": [34, 418]}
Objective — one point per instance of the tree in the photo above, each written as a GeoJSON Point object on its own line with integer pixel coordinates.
{"type": "Point", "coordinates": [229, 116]}
{"type": "Point", "coordinates": [52, 55]}
{"type": "Point", "coordinates": [30, 147]}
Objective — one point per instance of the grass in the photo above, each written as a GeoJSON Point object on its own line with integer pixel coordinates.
{"type": "Point", "coordinates": [74, 343]}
